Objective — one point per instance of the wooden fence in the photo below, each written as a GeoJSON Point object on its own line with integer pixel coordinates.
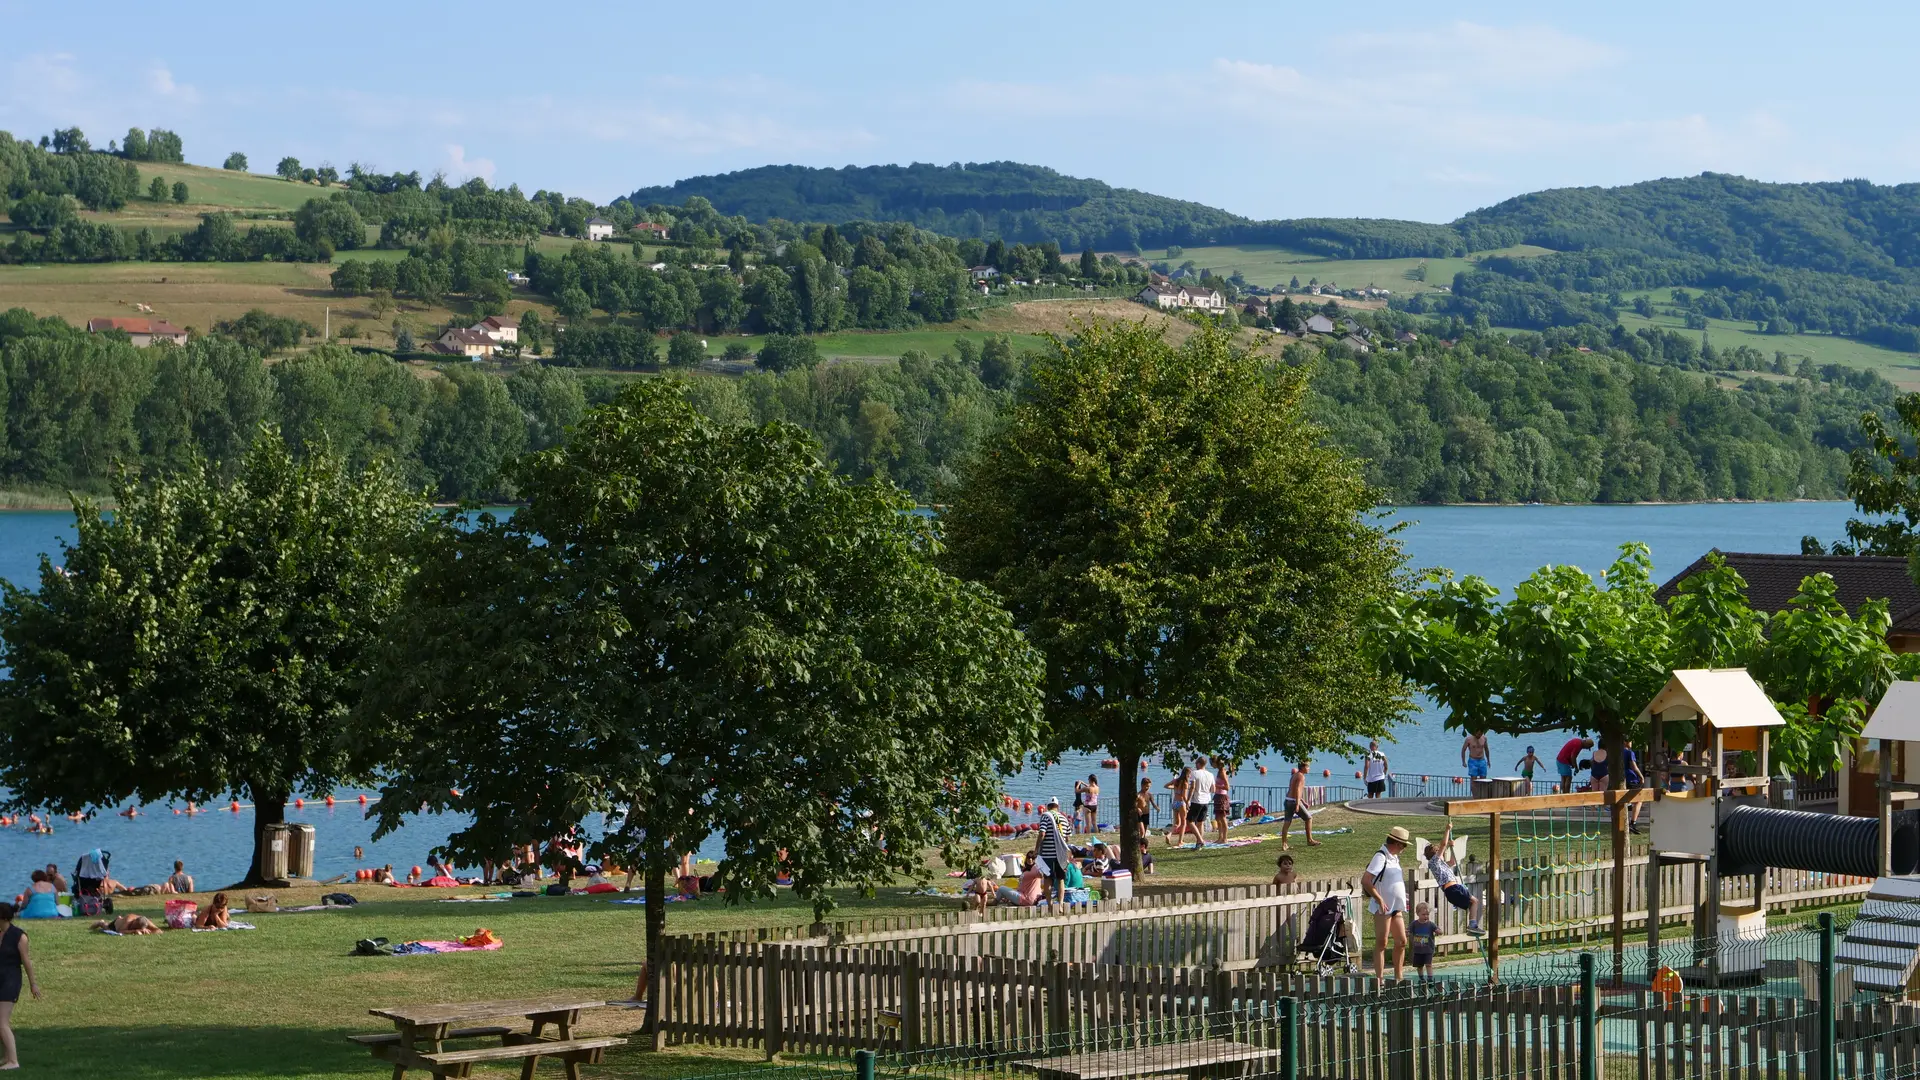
{"type": "Point", "coordinates": [953, 1014]}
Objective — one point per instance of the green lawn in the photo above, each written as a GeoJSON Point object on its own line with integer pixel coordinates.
{"type": "Point", "coordinates": [1902, 369]}
{"type": "Point", "coordinates": [883, 344]}
{"type": "Point", "coordinates": [232, 190]}
{"type": "Point", "coordinates": [1267, 265]}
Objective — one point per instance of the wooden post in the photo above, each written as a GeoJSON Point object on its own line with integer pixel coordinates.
{"type": "Point", "coordinates": [910, 1027]}
{"type": "Point", "coordinates": [773, 997]}
{"type": "Point", "coordinates": [1493, 899]}
{"type": "Point", "coordinates": [1711, 924]}
{"type": "Point", "coordinates": [1886, 807]}
{"type": "Point", "coordinates": [1655, 770]}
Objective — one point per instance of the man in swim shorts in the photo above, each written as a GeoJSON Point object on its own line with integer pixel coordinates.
{"type": "Point", "coordinates": [1473, 755]}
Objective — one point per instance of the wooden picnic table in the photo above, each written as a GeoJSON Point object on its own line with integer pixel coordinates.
{"type": "Point", "coordinates": [421, 1033]}
{"type": "Point", "coordinates": [1198, 1059]}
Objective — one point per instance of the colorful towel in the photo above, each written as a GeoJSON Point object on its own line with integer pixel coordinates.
{"type": "Point", "coordinates": [419, 948]}
{"type": "Point", "coordinates": [229, 926]}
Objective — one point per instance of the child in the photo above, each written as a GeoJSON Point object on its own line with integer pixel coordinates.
{"type": "Point", "coordinates": [1284, 873]}
{"type": "Point", "coordinates": [1447, 876]}
{"type": "Point", "coordinates": [1526, 766]}
{"type": "Point", "coordinates": [1421, 938]}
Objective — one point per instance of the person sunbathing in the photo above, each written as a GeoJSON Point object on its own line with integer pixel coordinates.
{"type": "Point", "coordinates": [216, 916]}
{"type": "Point", "coordinates": [128, 925]}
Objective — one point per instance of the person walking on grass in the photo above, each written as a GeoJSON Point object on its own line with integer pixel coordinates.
{"type": "Point", "coordinates": [1474, 755]}
{"type": "Point", "coordinates": [1295, 806]}
{"type": "Point", "coordinates": [1222, 799]}
{"type": "Point", "coordinates": [1199, 803]}
{"type": "Point", "coordinates": [15, 959]}
{"type": "Point", "coordinates": [1179, 787]}
{"type": "Point", "coordinates": [1385, 887]}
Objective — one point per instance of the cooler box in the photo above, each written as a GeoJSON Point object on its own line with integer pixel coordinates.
{"type": "Point", "coordinates": [1117, 886]}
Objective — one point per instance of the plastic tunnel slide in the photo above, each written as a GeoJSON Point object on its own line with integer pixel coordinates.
{"type": "Point", "coordinates": [1753, 837]}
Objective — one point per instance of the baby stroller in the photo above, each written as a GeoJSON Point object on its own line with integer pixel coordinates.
{"type": "Point", "coordinates": [1323, 948]}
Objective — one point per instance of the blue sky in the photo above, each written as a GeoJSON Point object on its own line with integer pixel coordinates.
{"type": "Point", "coordinates": [1380, 109]}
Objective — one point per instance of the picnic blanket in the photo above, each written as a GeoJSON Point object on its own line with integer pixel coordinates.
{"type": "Point", "coordinates": [421, 948]}
{"type": "Point", "coordinates": [229, 926]}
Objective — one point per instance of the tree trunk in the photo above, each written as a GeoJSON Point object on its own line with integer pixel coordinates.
{"type": "Point", "coordinates": [1614, 736]}
{"type": "Point", "coordinates": [656, 930]}
{"type": "Point", "coordinates": [1129, 813]}
{"type": "Point", "coordinates": [267, 810]}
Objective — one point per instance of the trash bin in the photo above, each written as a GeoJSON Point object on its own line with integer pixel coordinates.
{"type": "Point", "coordinates": [300, 855]}
{"type": "Point", "coordinates": [275, 863]}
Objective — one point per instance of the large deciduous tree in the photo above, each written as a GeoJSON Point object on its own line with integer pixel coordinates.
{"type": "Point", "coordinates": [698, 630]}
{"type": "Point", "coordinates": [206, 639]}
{"type": "Point", "coordinates": [1173, 533]}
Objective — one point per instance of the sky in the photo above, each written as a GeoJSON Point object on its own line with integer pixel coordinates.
{"type": "Point", "coordinates": [1384, 109]}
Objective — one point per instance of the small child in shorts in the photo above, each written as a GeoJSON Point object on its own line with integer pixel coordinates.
{"type": "Point", "coordinates": [1421, 939]}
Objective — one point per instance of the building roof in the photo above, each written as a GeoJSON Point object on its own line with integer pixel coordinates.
{"type": "Point", "coordinates": [654, 225]}
{"type": "Point", "coordinates": [500, 322]}
{"type": "Point", "coordinates": [1320, 324]}
{"type": "Point", "coordinates": [1161, 290]}
{"type": "Point", "coordinates": [466, 337]}
{"type": "Point", "coordinates": [1209, 293]}
{"type": "Point", "coordinates": [1898, 714]}
{"type": "Point", "coordinates": [1723, 697]}
{"type": "Point", "coordinates": [156, 327]}
{"type": "Point", "coordinates": [1773, 579]}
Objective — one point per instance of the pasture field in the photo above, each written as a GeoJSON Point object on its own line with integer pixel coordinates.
{"type": "Point", "coordinates": [219, 189]}
{"type": "Point", "coordinates": [1269, 265]}
{"type": "Point", "coordinates": [1901, 369]}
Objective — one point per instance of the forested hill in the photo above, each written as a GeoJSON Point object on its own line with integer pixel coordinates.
{"type": "Point", "coordinates": [1002, 198]}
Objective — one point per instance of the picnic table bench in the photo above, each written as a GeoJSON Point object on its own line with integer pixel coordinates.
{"type": "Point", "coordinates": [1199, 1059]}
{"type": "Point", "coordinates": [422, 1032]}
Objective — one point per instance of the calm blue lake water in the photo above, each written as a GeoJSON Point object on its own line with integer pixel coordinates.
{"type": "Point", "coordinates": [1502, 544]}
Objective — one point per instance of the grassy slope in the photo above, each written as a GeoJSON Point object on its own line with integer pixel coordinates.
{"type": "Point", "coordinates": [1268, 265]}
{"type": "Point", "coordinates": [1902, 369]}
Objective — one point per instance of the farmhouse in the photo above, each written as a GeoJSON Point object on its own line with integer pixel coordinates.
{"type": "Point", "coordinates": [650, 231]}
{"type": "Point", "coordinates": [1182, 296]}
{"type": "Point", "coordinates": [1319, 324]}
{"type": "Point", "coordinates": [500, 329]}
{"type": "Point", "coordinates": [471, 343]}
{"type": "Point", "coordinates": [144, 332]}
{"type": "Point", "coordinates": [599, 229]}
{"type": "Point", "coordinates": [984, 273]}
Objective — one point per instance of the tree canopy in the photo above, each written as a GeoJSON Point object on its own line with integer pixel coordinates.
{"type": "Point", "coordinates": [207, 639]}
{"type": "Point", "coordinates": [697, 630]}
{"type": "Point", "coordinates": [1175, 536]}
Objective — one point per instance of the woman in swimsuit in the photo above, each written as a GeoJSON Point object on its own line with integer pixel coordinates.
{"type": "Point", "coordinates": [1178, 785]}
{"type": "Point", "coordinates": [216, 915]}
{"type": "Point", "coordinates": [15, 959]}
{"type": "Point", "coordinates": [1090, 803]}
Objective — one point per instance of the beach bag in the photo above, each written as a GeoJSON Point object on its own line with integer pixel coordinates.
{"type": "Point", "coordinates": [509, 877]}
{"type": "Point", "coordinates": [373, 946]}
{"type": "Point", "coordinates": [557, 889]}
{"type": "Point", "coordinates": [89, 906]}
{"type": "Point", "coordinates": [262, 903]}
{"type": "Point", "coordinates": [1073, 896]}
{"type": "Point", "coordinates": [180, 914]}
{"type": "Point", "coordinates": [338, 899]}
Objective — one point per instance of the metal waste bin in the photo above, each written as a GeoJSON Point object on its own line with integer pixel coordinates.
{"type": "Point", "coordinates": [278, 848]}
{"type": "Point", "coordinates": [300, 855]}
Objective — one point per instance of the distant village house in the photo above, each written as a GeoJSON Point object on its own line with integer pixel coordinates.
{"type": "Point", "coordinates": [144, 332]}
{"type": "Point", "coordinates": [499, 328]}
{"type": "Point", "coordinates": [1182, 296]}
{"type": "Point", "coordinates": [599, 229]}
{"type": "Point", "coordinates": [470, 343]}
{"type": "Point", "coordinates": [651, 231]}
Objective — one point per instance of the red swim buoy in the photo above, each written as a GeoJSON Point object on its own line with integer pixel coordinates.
{"type": "Point", "coordinates": [329, 800]}
{"type": "Point", "coordinates": [1423, 779]}
{"type": "Point", "coordinates": [363, 800]}
{"type": "Point", "coordinates": [175, 810]}
{"type": "Point", "coordinates": [1263, 770]}
{"type": "Point", "coordinates": [415, 872]}
{"type": "Point", "coordinates": [1459, 780]}
{"type": "Point", "coordinates": [299, 804]}
{"type": "Point", "coordinates": [234, 806]}
{"type": "Point", "coordinates": [1326, 772]}
{"type": "Point", "coordinates": [1356, 776]}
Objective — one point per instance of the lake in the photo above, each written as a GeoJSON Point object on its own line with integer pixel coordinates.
{"type": "Point", "coordinates": [1500, 543]}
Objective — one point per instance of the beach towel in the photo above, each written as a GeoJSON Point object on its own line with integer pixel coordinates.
{"type": "Point", "coordinates": [421, 948]}
{"type": "Point", "coordinates": [473, 900]}
{"type": "Point", "coordinates": [229, 926]}
{"type": "Point", "coordinates": [601, 887]}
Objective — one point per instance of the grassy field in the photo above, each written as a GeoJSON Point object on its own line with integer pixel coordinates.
{"type": "Point", "coordinates": [277, 1001]}
{"type": "Point", "coordinates": [1268, 265]}
{"type": "Point", "coordinates": [1901, 369]}
{"type": "Point", "coordinates": [210, 188]}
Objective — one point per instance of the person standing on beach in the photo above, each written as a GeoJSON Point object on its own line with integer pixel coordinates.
{"type": "Point", "coordinates": [1199, 802]}
{"type": "Point", "coordinates": [1143, 803]}
{"type": "Point", "coordinates": [1373, 770]}
{"type": "Point", "coordinates": [1295, 806]}
{"type": "Point", "coordinates": [1179, 786]}
{"type": "Point", "coordinates": [1474, 755]}
{"type": "Point", "coordinates": [1052, 847]}
{"type": "Point", "coordinates": [15, 959]}
{"type": "Point", "coordinates": [1222, 799]}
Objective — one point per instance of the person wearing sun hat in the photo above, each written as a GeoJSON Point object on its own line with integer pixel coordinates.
{"type": "Point", "coordinates": [1386, 891]}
